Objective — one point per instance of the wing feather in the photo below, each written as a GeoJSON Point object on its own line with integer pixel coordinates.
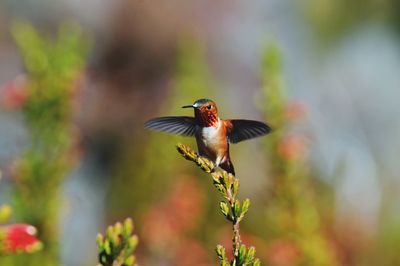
{"type": "Point", "coordinates": [179, 125]}
{"type": "Point", "coordinates": [240, 129]}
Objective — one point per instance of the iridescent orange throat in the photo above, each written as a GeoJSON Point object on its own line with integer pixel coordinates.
{"type": "Point", "coordinates": [207, 118]}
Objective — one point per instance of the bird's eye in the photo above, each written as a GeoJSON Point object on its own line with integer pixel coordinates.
{"type": "Point", "coordinates": [209, 107]}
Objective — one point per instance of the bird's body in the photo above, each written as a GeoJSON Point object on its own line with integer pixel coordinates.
{"type": "Point", "coordinates": [213, 144]}
{"type": "Point", "coordinates": [213, 135]}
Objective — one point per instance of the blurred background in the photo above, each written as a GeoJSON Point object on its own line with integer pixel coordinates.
{"type": "Point", "coordinates": [79, 78]}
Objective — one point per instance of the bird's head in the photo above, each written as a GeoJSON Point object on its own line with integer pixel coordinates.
{"type": "Point", "coordinates": [205, 110]}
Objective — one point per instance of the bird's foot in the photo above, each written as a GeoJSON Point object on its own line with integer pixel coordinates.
{"type": "Point", "coordinates": [214, 169]}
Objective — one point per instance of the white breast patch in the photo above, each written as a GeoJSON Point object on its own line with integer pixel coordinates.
{"type": "Point", "coordinates": [209, 135]}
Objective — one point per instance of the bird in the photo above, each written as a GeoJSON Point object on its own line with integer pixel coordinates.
{"type": "Point", "coordinates": [213, 134]}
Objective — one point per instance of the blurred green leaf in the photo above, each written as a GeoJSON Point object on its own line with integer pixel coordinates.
{"type": "Point", "coordinates": [236, 209]}
{"type": "Point", "coordinates": [250, 255]}
{"type": "Point", "coordinates": [117, 246]}
{"type": "Point", "coordinates": [257, 262]}
{"type": "Point", "coordinates": [224, 208]}
{"type": "Point", "coordinates": [242, 254]}
{"type": "Point", "coordinates": [5, 213]}
{"type": "Point", "coordinates": [245, 207]}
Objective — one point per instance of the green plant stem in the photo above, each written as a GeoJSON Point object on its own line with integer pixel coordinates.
{"type": "Point", "coordinates": [228, 186]}
{"type": "Point", "coordinates": [236, 241]}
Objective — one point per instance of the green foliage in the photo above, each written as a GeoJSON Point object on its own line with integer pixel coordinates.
{"type": "Point", "coordinates": [52, 71]}
{"type": "Point", "coordinates": [52, 68]}
{"type": "Point", "coordinates": [331, 19]}
{"type": "Point", "coordinates": [5, 213]}
{"type": "Point", "coordinates": [206, 165]}
{"type": "Point", "coordinates": [273, 88]}
{"type": "Point", "coordinates": [117, 246]}
{"type": "Point", "coordinates": [193, 79]}
{"type": "Point", "coordinates": [292, 214]}
{"type": "Point", "coordinates": [232, 208]}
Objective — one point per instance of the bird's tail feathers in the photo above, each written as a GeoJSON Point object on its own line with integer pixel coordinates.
{"type": "Point", "coordinates": [228, 166]}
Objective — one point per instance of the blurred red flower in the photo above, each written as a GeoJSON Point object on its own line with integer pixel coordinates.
{"type": "Point", "coordinates": [295, 111]}
{"type": "Point", "coordinates": [19, 237]}
{"type": "Point", "coordinates": [292, 147]}
{"type": "Point", "coordinates": [283, 253]}
{"type": "Point", "coordinates": [168, 224]}
{"type": "Point", "coordinates": [178, 214]}
{"type": "Point", "coordinates": [14, 93]}
{"type": "Point", "coordinates": [191, 252]}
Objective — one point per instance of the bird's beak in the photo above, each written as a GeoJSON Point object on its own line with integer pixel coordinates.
{"type": "Point", "coordinates": [188, 106]}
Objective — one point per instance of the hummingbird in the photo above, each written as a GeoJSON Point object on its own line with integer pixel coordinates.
{"type": "Point", "coordinates": [213, 134]}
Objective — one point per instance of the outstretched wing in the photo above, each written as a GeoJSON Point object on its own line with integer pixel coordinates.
{"type": "Point", "coordinates": [179, 125]}
{"type": "Point", "coordinates": [240, 129]}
